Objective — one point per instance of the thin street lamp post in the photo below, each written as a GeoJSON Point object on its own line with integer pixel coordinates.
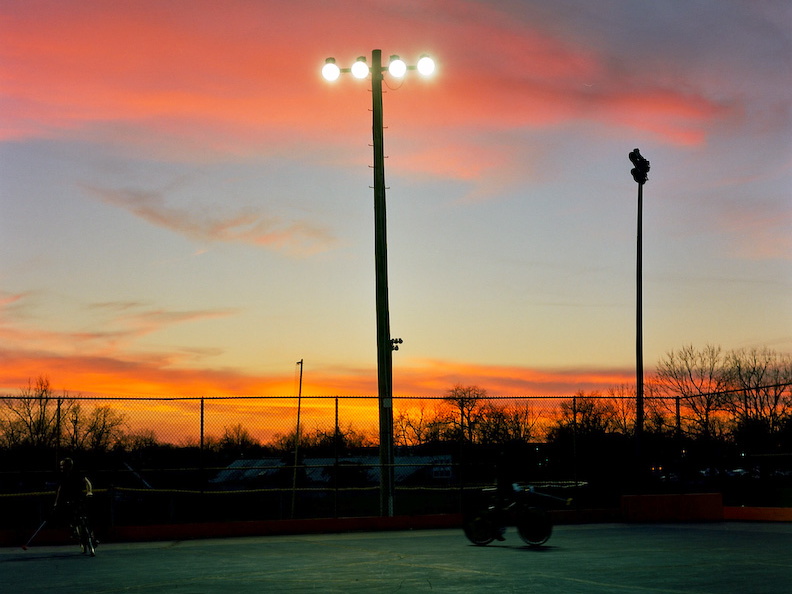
{"type": "Point", "coordinates": [385, 344]}
{"type": "Point", "coordinates": [297, 436]}
{"type": "Point", "coordinates": [640, 173]}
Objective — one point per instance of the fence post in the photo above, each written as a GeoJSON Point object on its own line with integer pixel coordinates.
{"type": "Point", "coordinates": [574, 440]}
{"type": "Point", "coordinates": [57, 432]}
{"type": "Point", "coordinates": [201, 460]}
{"type": "Point", "coordinates": [336, 444]}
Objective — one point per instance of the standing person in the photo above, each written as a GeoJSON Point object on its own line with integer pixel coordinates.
{"type": "Point", "coordinates": [71, 496]}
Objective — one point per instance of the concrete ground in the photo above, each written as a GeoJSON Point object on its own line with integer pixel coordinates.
{"type": "Point", "coordinates": [713, 558]}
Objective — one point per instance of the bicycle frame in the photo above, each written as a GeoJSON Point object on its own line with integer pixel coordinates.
{"type": "Point", "coordinates": [518, 507]}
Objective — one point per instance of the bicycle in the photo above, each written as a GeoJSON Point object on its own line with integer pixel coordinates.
{"type": "Point", "coordinates": [72, 497]}
{"type": "Point", "coordinates": [518, 509]}
{"type": "Point", "coordinates": [79, 526]}
{"type": "Point", "coordinates": [84, 533]}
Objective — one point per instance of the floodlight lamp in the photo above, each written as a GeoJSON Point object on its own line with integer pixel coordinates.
{"type": "Point", "coordinates": [425, 65]}
{"type": "Point", "coordinates": [330, 71]}
{"type": "Point", "coordinates": [360, 69]}
{"type": "Point", "coordinates": [397, 67]}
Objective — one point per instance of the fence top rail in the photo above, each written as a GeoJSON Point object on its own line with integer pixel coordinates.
{"type": "Point", "coordinates": [580, 396]}
{"type": "Point", "coordinates": [276, 397]}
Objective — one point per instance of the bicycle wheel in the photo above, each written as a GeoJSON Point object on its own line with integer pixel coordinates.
{"type": "Point", "coordinates": [85, 535]}
{"type": "Point", "coordinates": [534, 526]}
{"type": "Point", "coordinates": [479, 530]}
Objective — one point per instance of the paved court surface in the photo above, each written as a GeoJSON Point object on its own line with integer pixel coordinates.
{"type": "Point", "coordinates": [680, 558]}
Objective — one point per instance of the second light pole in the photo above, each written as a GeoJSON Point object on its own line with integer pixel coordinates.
{"type": "Point", "coordinates": [640, 173]}
{"type": "Point", "coordinates": [385, 344]}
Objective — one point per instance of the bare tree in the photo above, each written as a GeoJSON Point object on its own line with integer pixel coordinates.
{"type": "Point", "coordinates": [34, 417]}
{"type": "Point", "coordinates": [585, 415]}
{"type": "Point", "coordinates": [698, 378]}
{"type": "Point", "coordinates": [760, 380]}
{"type": "Point", "coordinates": [622, 400]}
{"type": "Point", "coordinates": [464, 401]}
{"type": "Point", "coordinates": [659, 417]}
{"type": "Point", "coordinates": [415, 429]}
{"type": "Point", "coordinates": [327, 439]}
{"type": "Point", "coordinates": [141, 440]}
{"type": "Point", "coordinates": [500, 424]}
{"type": "Point", "coordinates": [237, 438]}
{"type": "Point", "coordinates": [98, 429]}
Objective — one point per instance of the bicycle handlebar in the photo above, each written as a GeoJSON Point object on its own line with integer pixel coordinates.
{"type": "Point", "coordinates": [530, 489]}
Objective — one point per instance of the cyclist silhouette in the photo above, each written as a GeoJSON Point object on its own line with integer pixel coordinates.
{"type": "Point", "coordinates": [71, 496]}
{"type": "Point", "coordinates": [509, 468]}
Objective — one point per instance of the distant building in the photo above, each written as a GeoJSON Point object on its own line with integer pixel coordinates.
{"type": "Point", "coordinates": [331, 472]}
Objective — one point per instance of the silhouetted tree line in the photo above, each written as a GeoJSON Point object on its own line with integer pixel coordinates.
{"type": "Point", "coordinates": [467, 414]}
{"type": "Point", "coordinates": [40, 426]}
{"type": "Point", "coordinates": [42, 418]}
{"type": "Point", "coordinates": [743, 396]}
{"type": "Point", "coordinates": [697, 397]}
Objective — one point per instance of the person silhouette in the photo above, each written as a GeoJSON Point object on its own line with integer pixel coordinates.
{"type": "Point", "coordinates": [72, 494]}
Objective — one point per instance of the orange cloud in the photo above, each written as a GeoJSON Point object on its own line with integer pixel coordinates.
{"type": "Point", "coordinates": [160, 391]}
{"type": "Point", "coordinates": [130, 375]}
{"type": "Point", "coordinates": [156, 396]}
{"type": "Point", "coordinates": [438, 376]}
{"type": "Point", "coordinates": [107, 364]}
{"type": "Point", "coordinates": [160, 375]}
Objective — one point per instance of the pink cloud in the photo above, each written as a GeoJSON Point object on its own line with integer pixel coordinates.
{"type": "Point", "coordinates": [122, 323]}
{"type": "Point", "coordinates": [759, 229]}
{"type": "Point", "coordinates": [298, 237]}
{"type": "Point", "coordinates": [232, 79]}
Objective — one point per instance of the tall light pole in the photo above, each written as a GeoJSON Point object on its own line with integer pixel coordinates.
{"type": "Point", "coordinates": [640, 173]}
{"type": "Point", "coordinates": [385, 344]}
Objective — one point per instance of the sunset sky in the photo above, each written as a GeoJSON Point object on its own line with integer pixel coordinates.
{"type": "Point", "coordinates": [185, 203]}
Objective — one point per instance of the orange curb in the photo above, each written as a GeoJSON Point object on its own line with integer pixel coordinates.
{"type": "Point", "coordinates": [233, 529]}
{"type": "Point", "coordinates": [273, 527]}
{"type": "Point", "coordinates": [689, 507]}
{"type": "Point", "coordinates": [642, 509]}
{"type": "Point", "coordinates": [758, 514]}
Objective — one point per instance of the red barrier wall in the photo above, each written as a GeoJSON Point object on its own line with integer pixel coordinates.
{"type": "Point", "coordinates": [693, 507]}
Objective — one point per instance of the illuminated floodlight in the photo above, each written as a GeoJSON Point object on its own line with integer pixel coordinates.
{"type": "Point", "coordinates": [397, 67]}
{"type": "Point", "coordinates": [330, 71]}
{"type": "Point", "coordinates": [360, 69]}
{"type": "Point", "coordinates": [425, 65]}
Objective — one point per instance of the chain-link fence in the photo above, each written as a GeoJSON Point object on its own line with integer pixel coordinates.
{"type": "Point", "coordinates": [186, 459]}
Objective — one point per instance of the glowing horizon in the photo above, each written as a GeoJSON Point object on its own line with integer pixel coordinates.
{"type": "Point", "coordinates": [186, 206]}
